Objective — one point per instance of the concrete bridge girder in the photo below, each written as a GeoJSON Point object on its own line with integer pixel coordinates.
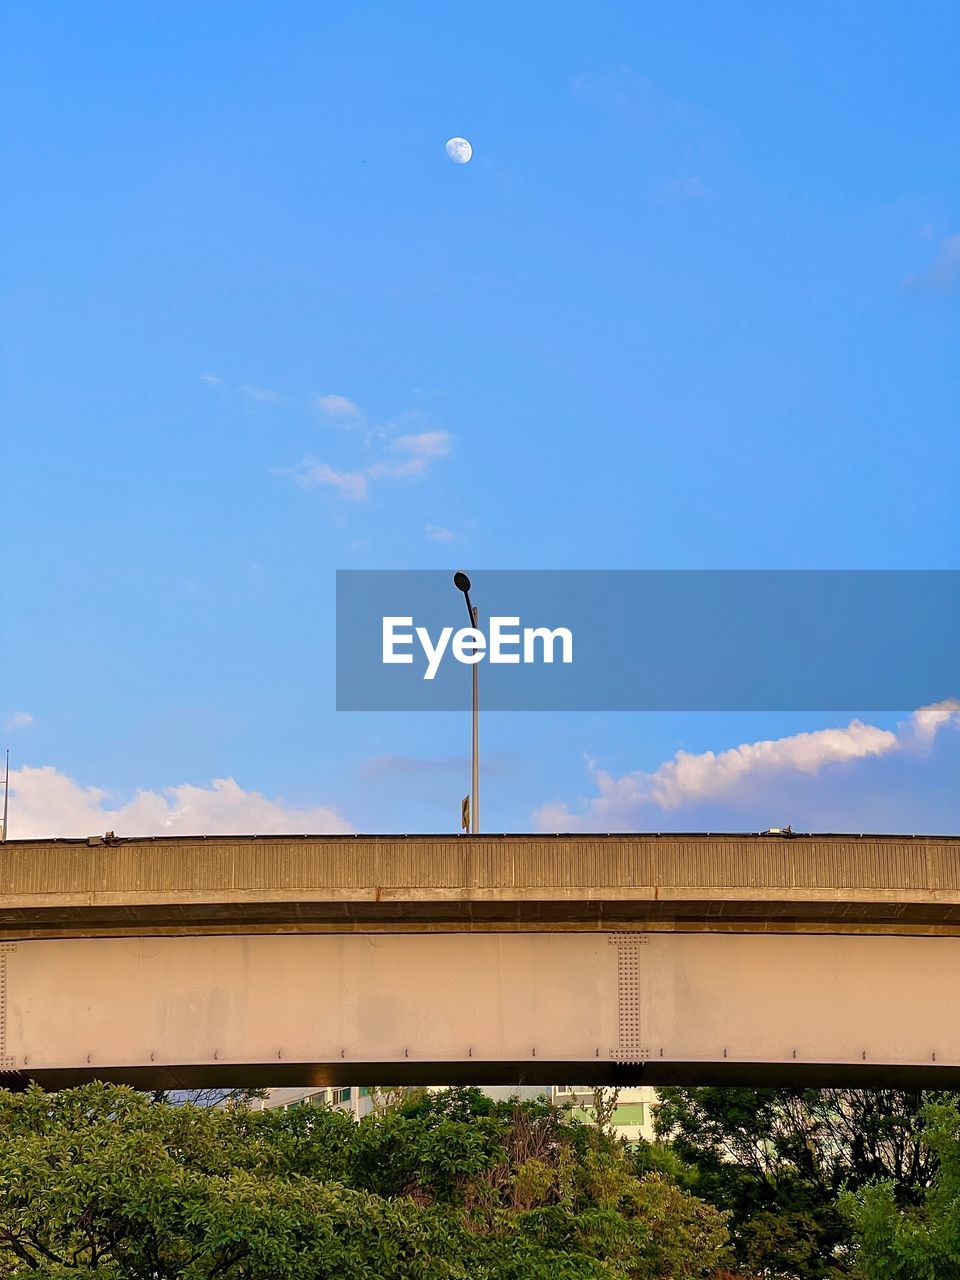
{"type": "Point", "coordinates": [488, 1007]}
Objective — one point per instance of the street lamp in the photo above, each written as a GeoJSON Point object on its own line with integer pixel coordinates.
{"type": "Point", "coordinates": [6, 799]}
{"type": "Point", "coordinates": [462, 583]}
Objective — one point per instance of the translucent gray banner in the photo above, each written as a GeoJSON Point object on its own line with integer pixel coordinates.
{"type": "Point", "coordinates": [684, 640]}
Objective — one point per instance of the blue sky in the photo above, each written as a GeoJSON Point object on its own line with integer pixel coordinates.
{"type": "Point", "coordinates": [695, 302]}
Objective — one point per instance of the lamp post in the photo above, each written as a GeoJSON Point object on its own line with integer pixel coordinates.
{"type": "Point", "coordinates": [6, 799]}
{"type": "Point", "coordinates": [462, 583]}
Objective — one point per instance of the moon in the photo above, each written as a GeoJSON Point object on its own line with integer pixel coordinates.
{"type": "Point", "coordinates": [459, 150]}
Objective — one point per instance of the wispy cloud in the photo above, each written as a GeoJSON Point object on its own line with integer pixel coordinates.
{"type": "Point", "coordinates": [413, 454]}
{"type": "Point", "coordinates": [679, 143]}
{"type": "Point", "coordinates": [439, 533]}
{"type": "Point", "coordinates": [262, 394]}
{"type": "Point", "coordinates": [688, 188]}
{"type": "Point", "coordinates": [943, 274]}
{"type": "Point", "coordinates": [691, 779]}
{"type": "Point", "coordinates": [337, 407]}
{"type": "Point", "coordinates": [634, 100]}
{"type": "Point", "coordinates": [46, 802]}
{"type": "Point", "coordinates": [428, 444]}
{"type": "Point", "coordinates": [211, 378]}
{"type": "Point", "coordinates": [615, 88]}
{"type": "Point", "coordinates": [406, 457]}
{"type": "Point", "coordinates": [18, 720]}
{"type": "Point", "coordinates": [411, 766]}
{"type": "Point", "coordinates": [495, 763]}
{"type": "Point", "coordinates": [349, 484]}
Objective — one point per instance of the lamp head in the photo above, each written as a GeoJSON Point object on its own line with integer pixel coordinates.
{"type": "Point", "coordinates": [461, 581]}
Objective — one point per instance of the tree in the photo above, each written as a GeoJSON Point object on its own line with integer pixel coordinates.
{"type": "Point", "coordinates": [209, 1097]}
{"type": "Point", "coordinates": [605, 1103]}
{"type": "Point", "coordinates": [778, 1159]}
{"type": "Point", "coordinates": [103, 1181]}
{"type": "Point", "coordinates": [897, 1241]}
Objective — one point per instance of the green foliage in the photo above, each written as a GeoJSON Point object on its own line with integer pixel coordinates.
{"type": "Point", "coordinates": [898, 1241]}
{"type": "Point", "coordinates": [778, 1160]}
{"type": "Point", "coordinates": [103, 1181]}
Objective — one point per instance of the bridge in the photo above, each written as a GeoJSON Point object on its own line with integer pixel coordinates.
{"type": "Point", "coordinates": [267, 960]}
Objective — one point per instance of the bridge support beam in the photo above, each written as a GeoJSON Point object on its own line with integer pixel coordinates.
{"type": "Point", "coordinates": [552, 1008]}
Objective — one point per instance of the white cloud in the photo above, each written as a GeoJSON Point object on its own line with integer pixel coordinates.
{"type": "Point", "coordinates": [411, 455]}
{"type": "Point", "coordinates": [18, 720]}
{"type": "Point", "coordinates": [696, 777]}
{"type": "Point", "coordinates": [689, 779]}
{"type": "Point", "coordinates": [262, 394]}
{"type": "Point", "coordinates": [927, 721]}
{"type": "Point", "coordinates": [349, 484]}
{"type": "Point", "coordinates": [337, 407]}
{"type": "Point", "coordinates": [212, 378]}
{"type": "Point", "coordinates": [45, 802]}
{"type": "Point", "coordinates": [414, 454]}
{"type": "Point", "coordinates": [943, 274]}
{"type": "Point", "coordinates": [439, 533]}
{"type": "Point", "coordinates": [428, 444]}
